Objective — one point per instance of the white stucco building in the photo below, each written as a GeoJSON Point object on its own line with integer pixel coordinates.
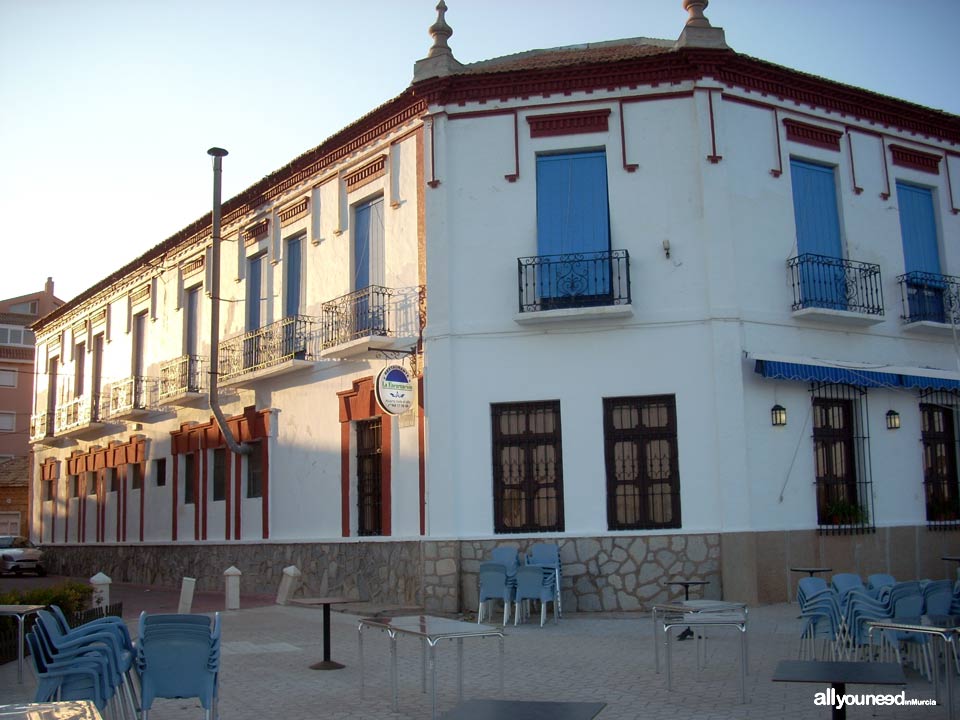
{"type": "Point", "coordinates": [661, 302]}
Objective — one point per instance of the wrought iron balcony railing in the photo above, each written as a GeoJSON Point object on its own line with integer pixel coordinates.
{"type": "Point", "coordinates": [929, 297]}
{"type": "Point", "coordinates": [820, 281]}
{"type": "Point", "coordinates": [574, 280]}
{"type": "Point", "coordinates": [77, 414]}
{"type": "Point", "coordinates": [41, 426]}
{"type": "Point", "coordinates": [130, 396]}
{"type": "Point", "coordinates": [181, 376]}
{"type": "Point", "coordinates": [371, 311]}
{"type": "Point", "coordinates": [293, 338]}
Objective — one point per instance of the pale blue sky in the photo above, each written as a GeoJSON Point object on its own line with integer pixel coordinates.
{"type": "Point", "coordinates": [107, 107]}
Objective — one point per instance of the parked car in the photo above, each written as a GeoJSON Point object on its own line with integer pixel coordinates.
{"type": "Point", "coordinates": [18, 555]}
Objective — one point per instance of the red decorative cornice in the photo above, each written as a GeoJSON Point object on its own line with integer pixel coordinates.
{"type": "Point", "coordinates": [915, 160]}
{"type": "Point", "coordinates": [570, 123]}
{"type": "Point", "coordinates": [50, 469]}
{"type": "Point", "coordinates": [256, 231]}
{"type": "Point", "coordinates": [252, 425]}
{"type": "Point", "coordinates": [812, 134]}
{"type": "Point", "coordinates": [374, 169]}
{"type": "Point", "coordinates": [293, 212]}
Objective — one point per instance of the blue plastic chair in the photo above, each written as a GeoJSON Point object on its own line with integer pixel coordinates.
{"type": "Point", "coordinates": [494, 585]}
{"type": "Point", "coordinates": [548, 555]}
{"type": "Point", "coordinates": [535, 583]}
{"type": "Point", "coordinates": [508, 556]}
{"type": "Point", "coordinates": [81, 678]}
{"type": "Point", "coordinates": [937, 597]}
{"type": "Point", "coordinates": [879, 581]}
{"type": "Point", "coordinates": [179, 657]}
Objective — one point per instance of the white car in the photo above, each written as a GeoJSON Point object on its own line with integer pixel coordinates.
{"type": "Point", "coordinates": [18, 555]}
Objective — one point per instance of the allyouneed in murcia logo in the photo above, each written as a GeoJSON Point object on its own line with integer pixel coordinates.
{"type": "Point", "coordinates": [832, 698]}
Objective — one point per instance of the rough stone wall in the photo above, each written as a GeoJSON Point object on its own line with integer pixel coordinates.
{"type": "Point", "coordinates": [387, 573]}
{"type": "Point", "coordinates": [612, 573]}
{"type": "Point", "coordinates": [441, 576]}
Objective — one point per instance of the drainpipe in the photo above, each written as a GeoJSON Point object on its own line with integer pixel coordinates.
{"type": "Point", "coordinates": [218, 154]}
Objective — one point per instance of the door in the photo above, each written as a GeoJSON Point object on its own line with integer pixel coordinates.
{"type": "Point", "coordinates": [96, 377]}
{"type": "Point", "coordinates": [822, 278]}
{"type": "Point", "coordinates": [368, 270]}
{"type": "Point", "coordinates": [251, 344]}
{"type": "Point", "coordinates": [921, 253]}
{"type": "Point", "coordinates": [573, 229]}
{"type": "Point", "coordinates": [192, 343]}
{"type": "Point", "coordinates": [369, 481]}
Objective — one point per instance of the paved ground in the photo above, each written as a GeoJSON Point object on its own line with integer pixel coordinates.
{"type": "Point", "coordinates": [267, 650]}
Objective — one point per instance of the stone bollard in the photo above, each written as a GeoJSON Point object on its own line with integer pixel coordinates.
{"type": "Point", "coordinates": [101, 590]}
{"type": "Point", "coordinates": [232, 583]}
{"type": "Point", "coordinates": [186, 595]}
{"type": "Point", "coordinates": [289, 584]}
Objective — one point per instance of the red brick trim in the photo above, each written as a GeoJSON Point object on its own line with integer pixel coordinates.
{"type": "Point", "coordinates": [265, 489]}
{"type": "Point", "coordinates": [915, 159]}
{"type": "Point", "coordinates": [815, 135]}
{"type": "Point", "coordinates": [143, 495]}
{"type": "Point", "coordinates": [228, 492]}
{"type": "Point", "coordinates": [202, 505]}
{"type": "Point", "coordinates": [569, 123]}
{"type": "Point", "coordinates": [174, 489]}
{"type": "Point", "coordinates": [373, 170]}
{"type": "Point", "coordinates": [256, 231]}
{"type": "Point", "coordinates": [345, 479]}
{"type": "Point", "coordinates": [421, 458]}
{"type": "Point", "coordinates": [294, 212]}
{"type": "Point", "coordinates": [237, 508]}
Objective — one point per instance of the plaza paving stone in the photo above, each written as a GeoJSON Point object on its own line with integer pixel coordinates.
{"type": "Point", "coordinates": [593, 657]}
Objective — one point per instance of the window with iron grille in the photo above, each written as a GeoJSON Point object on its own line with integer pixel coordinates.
{"type": "Point", "coordinates": [527, 467]}
{"type": "Point", "coordinates": [255, 471]}
{"type": "Point", "coordinates": [219, 474]}
{"type": "Point", "coordinates": [136, 476]}
{"type": "Point", "coordinates": [938, 439]}
{"type": "Point", "coordinates": [640, 444]}
{"type": "Point", "coordinates": [48, 490]}
{"type": "Point", "coordinates": [841, 447]}
{"type": "Point", "coordinates": [160, 472]}
{"type": "Point", "coordinates": [368, 477]}
{"type": "Point", "coordinates": [111, 480]}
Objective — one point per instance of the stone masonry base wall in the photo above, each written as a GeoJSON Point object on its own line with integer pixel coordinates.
{"type": "Point", "coordinates": [619, 573]}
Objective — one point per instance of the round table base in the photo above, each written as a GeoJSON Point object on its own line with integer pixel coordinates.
{"type": "Point", "coordinates": [327, 665]}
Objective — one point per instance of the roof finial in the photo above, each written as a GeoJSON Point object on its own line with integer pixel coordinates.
{"type": "Point", "coordinates": [696, 8]}
{"type": "Point", "coordinates": [439, 60]}
{"type": "Point", "coordinates": [440, 32]}
{"type": "Point", "coordinates": [698, 32]}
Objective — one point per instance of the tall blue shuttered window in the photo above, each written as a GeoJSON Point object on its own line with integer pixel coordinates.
{"type": "Point", "coordinates": [921, 253]}
{"type": "Point", "coordinates": [818, 233]}
{"type": "Point", "coordinates": [573, 227]}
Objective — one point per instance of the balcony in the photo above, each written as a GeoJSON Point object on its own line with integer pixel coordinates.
{"type": "Point", "coordinates": [183, 380]}
{"type": "Point", "coordinates": [836, 290]}
{"type": "Point", "coordinates": [573, 286]}
{"type": "Point", "coordinates": [41, 427]}
{"type": "Point", "coordinates": [132, 397]}
{"type": "Point", "coordinates": [931, 302]}
{"type": "Point", "coordinates": [78, 417]}
{"type": "Point", "coordinates": [285, 346]}
{"type": "Point", "coordinates": [374, 319]}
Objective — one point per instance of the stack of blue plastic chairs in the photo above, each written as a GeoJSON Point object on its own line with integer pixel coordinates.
{"type": "Point", "coordinates": [495, 584]}
{"type": "Point", "coordinates": [535, 584]}
{"type": "Point", "coordinates": [823, 619]}
{"type": "Point", "coordinates": [178, 656]}
{"type": "Point", "coordinates": [547, 555]}
{"type": "Point", "coordinates": [90, 662]}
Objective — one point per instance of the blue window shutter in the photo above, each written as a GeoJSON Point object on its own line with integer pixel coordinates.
{"type": "Point", "coordinates": [254, 292]}
{"type": "Point", "coordinates": [918, 229]}
{"type": "Point", "coordinates": [573, 217]}
{"type": "Point", "coordinates": [818, 233]}
{"type": "Point", "coordinates": [361, 248]}
{"type": "Point", "coordinates": [294, 269]}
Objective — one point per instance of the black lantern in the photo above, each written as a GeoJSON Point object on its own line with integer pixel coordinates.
{"type": "Point", "coordinates": [778, 415]}
{"type": "Point", "coordinates": [893, 420]}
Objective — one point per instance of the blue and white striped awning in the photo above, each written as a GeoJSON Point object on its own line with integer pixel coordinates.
{"type": "Point", "coordinates": [813, 371]}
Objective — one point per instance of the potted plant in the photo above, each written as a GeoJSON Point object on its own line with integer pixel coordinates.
{"type": "Point", "coordinates": [844, 512]}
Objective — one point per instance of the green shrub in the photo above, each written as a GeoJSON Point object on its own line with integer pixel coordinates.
{"type": "Point", "coordinates": [70, 596]}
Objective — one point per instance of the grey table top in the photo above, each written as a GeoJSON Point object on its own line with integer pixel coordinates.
{"type": "Point", "coordinates": [523, 710]}
{"type": "Point", "coordinates": [939, 624]}
{"type": "Point", "coordinates": [828, 671]}
{"type": "Point", "coordinates": [432, 627]}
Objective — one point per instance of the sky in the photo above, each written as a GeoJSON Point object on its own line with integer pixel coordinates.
{"type": "Point", "coordinates": [107, 107]}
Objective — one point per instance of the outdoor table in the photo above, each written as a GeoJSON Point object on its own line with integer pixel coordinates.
{"type": "Point", "coordinates": [838, 674]}
{"type": "Point", "coordinates": [523, 710]}
{"type": "Point", "coordinates": [60, 710]}
{"type": "Point", "coordinates": [430, 630]}
{"type": "Point", "coordinates": [943, 626]}
{"type": "Point", "coordinates": [736, 619]}
{"type": "Point", "coordinates": [811, 571]}
{"type": "Point", "coordinates": [326, 663]}
{"type": "Point", "coordinates": [681, 607]}
{"type": "Point", "coordinates": [20, 612]}
{"type": "Point", "coordinates": [686, 596]}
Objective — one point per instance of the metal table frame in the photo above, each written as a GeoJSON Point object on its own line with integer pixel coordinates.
{"type": "Point", "coordinates": [736, 619]}
{"type": "Point", "coordinates": [927, 625]}
{"type": "Point", "coordinates": [430, 630]}
{"type": "Point", "coordinates": [326, 602]}
{"type": "Point", "coordinates": [681, 607]}
{"type": "Point", "coordinates": [20, 612]}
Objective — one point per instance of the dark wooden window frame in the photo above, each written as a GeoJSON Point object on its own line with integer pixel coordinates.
{"type": "Point", "coordinates": [639, 490]}
{"type": "Point", "coordinates": [369, 476]}
{"type": "Point", "coordinates": [941, 489]}
{"type": "Point", "coordinates": [537, 497]}
{"type": "Point", "coordinates": [255, 471]}
{"type": "Point", "coordinates": [190, 470]}
{"type": "Point", "coordinates": [219, 474]}
{"type": "Point", "coordinates": [844, 497]}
